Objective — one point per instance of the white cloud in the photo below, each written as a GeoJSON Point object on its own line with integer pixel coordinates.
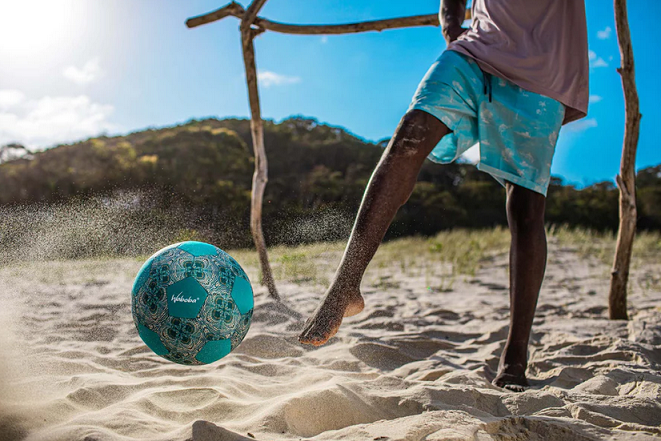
{"type": "Point", "coordinates": [90, 71]}
{"type": "Point", "coordinates": [324, 38]}
{"type": "Point", "coordinates": [267, 79]}
{"type": "Point", "coordinates": [582, 125]}
{"type": "Point", "coordinates": [595, 98]}
{"type": "Point", "coordinates": [10, 98]}
{"type": "Point", "coordinates": [604, 34]}
{"type": "Point", "coordinates": [44, 122]}
{"type": "Point", "coordinates": [595, 60]}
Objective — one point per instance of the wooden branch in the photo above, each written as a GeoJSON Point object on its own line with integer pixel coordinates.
{"type": "Point", "coordinates": [232, 8]}
{"type": "Point", "coordinates": [626, 180]}
{"type": "Point", "coordinates": [252, 11]}
{"type": "Point", "coordinates": [349, 28]}
{"type": "Point", "coordinates": [260, 176]}
{"type": "Point", "coordinates": [236, 10]}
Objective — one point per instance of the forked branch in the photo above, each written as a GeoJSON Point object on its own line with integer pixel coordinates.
{"type": "Point", "coordinates": [236, 10]}
{"type": "Point", "coordinates": [253, 10]}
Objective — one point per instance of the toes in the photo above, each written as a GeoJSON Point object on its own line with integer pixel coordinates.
{"type": "Point", "coordinates": [514, 387]}
{"type": "Point", "coordinates": [332, 333]}
{"type": "Point", "coordinates": [318, 330]}
{"type": "Point", "coordinates": [304, 337]}
{"type": "Point", "coordinates": [313, 336]}
{"type": "Point", "coordinates": [310, 340]}
{"type": "Point", "coordinates": [308, 336]}
{"type": "Point", "coordinates": [316, 339]}
{"type": "Point", "coordinates": [321, 337]}
{"type": "Point", "coordinates": [514, 383]}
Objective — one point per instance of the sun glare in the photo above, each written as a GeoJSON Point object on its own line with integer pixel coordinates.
{"type": "Point", "coordinates": [31, 29]}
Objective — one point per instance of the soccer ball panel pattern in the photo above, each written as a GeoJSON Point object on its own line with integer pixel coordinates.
{"type": "Point", "coordinates": [242, 295]}
{"type": "Point", "coordinates": [192, 303]}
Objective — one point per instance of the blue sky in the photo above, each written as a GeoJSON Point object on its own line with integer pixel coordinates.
{"type": "Point", "coordinates": [74, 69]}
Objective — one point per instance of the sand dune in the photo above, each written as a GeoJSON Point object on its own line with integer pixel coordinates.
{"type": "Point", "coordinates": [415, 365]}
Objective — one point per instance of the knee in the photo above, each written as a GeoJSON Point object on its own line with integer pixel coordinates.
{"type": "Point", "coordinates": [416, 135]}
{"type": "Point", "coordinates": [525, 209]}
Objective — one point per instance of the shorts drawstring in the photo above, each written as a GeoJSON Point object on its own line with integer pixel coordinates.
{"type": "Point", "coordinates": [486, 79]}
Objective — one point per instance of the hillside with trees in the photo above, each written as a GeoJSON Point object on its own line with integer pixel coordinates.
{"type": "Point", "coordinates": [195, 178]}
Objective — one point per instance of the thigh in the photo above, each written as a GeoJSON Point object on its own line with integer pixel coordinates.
{"type": "Point", "coordinates": [450, 92]}
{"type": "Point", "coordinates": [417, 134]}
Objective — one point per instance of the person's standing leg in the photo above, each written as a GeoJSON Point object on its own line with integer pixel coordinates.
{"type": "Point", "coordinates": [389, 188]}
{"type": "Point", "coordinates": [525, 216]}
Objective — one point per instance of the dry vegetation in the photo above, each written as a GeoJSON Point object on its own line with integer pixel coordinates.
{"type": "Point", "coordinates": [444, 257]}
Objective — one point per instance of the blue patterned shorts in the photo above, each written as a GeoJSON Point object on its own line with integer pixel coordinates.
{"type": "Point", "coordinates": [517, 130]}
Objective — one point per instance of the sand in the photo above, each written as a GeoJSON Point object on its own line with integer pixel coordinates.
{"type": "Point", "coordinates": [417, 364]}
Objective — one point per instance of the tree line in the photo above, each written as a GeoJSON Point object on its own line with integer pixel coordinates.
{"type": "Point", "coordinates": [195, 178]}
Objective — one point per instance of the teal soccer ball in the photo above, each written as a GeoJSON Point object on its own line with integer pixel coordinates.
{"type": "Point", "coordinates": [192, 303]}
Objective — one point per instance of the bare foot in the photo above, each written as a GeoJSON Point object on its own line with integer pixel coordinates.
{"type": "Point", "coordinates": [327, 318]}
{"type": "Point", "coordinates": [511, 377]}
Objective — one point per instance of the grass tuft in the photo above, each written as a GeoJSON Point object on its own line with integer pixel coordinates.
{"type": "Point", "coordinates": [442, 258]}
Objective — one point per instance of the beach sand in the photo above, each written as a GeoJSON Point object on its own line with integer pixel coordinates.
{"type": "Point", "coordinates": [416, 364]}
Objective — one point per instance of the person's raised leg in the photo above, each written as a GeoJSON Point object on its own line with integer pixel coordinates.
{"type": "Point", "coordinates": [389, 188]}
{"type": "Point", "coordinates": [525, 216]}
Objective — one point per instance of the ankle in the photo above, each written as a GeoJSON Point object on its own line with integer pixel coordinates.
{"type": "Point", "coordinates": [345, 286]}
{"type": "Point", "coordinates": [515, 355]}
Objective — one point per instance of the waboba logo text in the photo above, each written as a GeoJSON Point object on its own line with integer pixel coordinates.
{"type": "Point", "coordinates": [179, 298]}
